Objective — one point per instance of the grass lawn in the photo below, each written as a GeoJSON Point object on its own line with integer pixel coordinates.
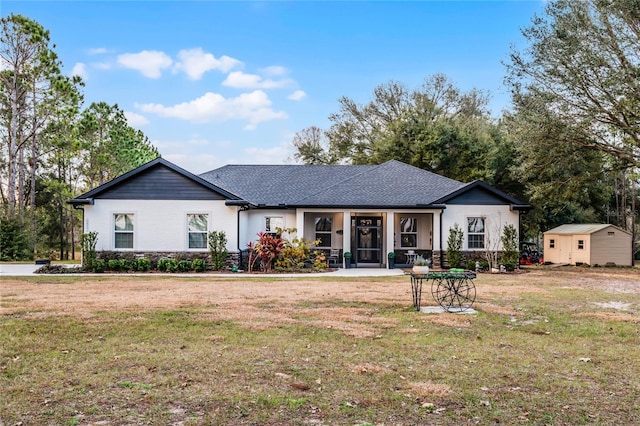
{"type": "Point", "coordinates": [551, 346]}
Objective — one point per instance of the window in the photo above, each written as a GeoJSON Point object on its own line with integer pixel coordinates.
{"type": "Point", "coordinates": [475, 232]}
{"type": "Point", "coordinates": [552, 243]}
{"type": "Point", "coordinates": [197, 229]}
{"type": "Point", "coordinates": [408, 232]}
{"type": "Point", "coordinates": [323, 231]}
{"type": "Point", "coordinates": [580, 244]}
{"type": "Point", "coordinates": [123, 231]}
{"type": "Point", "coordinates": [273, 223]}
{"type": "Point", "coordinates": [611, 234]}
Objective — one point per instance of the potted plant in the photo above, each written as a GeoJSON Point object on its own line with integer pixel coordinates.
{"type": "Point", "coordinates": [391, 259]}
{"type": "Point", "coordinates": [347, 259]}
{"type": "Point", "coordinates": [421, 266]}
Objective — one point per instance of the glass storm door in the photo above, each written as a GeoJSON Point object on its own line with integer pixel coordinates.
{"type": "Point", "coordinates": [368, 239]}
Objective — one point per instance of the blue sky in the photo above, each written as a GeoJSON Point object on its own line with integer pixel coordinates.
{"type": "Point", "coordinates": [213, 83]}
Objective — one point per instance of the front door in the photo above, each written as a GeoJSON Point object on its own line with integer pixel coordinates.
{"type": "Point", "coordinates": [368, 239]}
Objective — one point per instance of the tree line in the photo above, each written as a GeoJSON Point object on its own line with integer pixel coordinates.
{"type": "Point", "coordinates": [53, 147]}
{"type": "Point", "coordinates": [570, 145]}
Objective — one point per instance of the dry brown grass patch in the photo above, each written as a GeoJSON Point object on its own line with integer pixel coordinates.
{"type": "Point", "coordinates": [611, 316]}
{"type": "Point", "coordinates": [429, 390]}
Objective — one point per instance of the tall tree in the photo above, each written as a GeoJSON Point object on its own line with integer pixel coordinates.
{"type": "Point", "coordinates": [112, 147]}
{"type": "Point", "coordinates": [28, 70]}
{"type": "Point", "coordinates": [435, 127]}
{"type": "Point", "coordinates": [583, 61]}
{"type": "Point", "coordinates": [559, 175]}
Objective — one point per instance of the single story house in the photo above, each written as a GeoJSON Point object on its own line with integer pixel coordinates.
{"type": "Point", "coordinates": [589, 243]}
{"type": "Point", "coordinates": [368, 210]}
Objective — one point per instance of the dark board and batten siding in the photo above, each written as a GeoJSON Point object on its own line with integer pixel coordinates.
{"type": "Point", "coordinates": [160, 183]}
{"type": "Point", "coordinates": [477, 196]}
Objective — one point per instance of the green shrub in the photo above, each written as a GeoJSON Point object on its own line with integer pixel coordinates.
{"type": "Point", "coordinates": [510, 252]}
{"type": "Point", "coordinates": [163, 264]}
{"type": "Point", "coordinates": [14, 240]}
{"type": "Point", "coordinates": [454, 246]}
{"type": "Point", "coordinates": [184, 266]}
{"type": "Point", "coordinates": [199, 265]}
{"type": "Point", "coordinates": [142, 264]}
{"type": "Point", "coordinates": [119, 265]}
{"type": "Point", "coordinates": [172, 265]}
{"type": "Point", "coordinates": [218, 249]}
{"type": "Point", "coordinates": [97, 266]}
{"type": "Point", "coordinates": [510, 265]}
{"type": "Point", "coordinates": [89, 241]}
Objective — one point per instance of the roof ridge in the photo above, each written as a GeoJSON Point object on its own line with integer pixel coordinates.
{"type": "Point", "coordinates": [370, 168]}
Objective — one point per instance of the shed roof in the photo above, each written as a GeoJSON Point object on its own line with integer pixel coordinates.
{"type": "Point", "coordinates": [582, 228]}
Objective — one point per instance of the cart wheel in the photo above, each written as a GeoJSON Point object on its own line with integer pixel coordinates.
{"type": "Point", "coordinates": [454, 295]}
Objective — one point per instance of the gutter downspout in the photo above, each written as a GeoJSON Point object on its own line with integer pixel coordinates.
{"type": "Point", "coordinates": [441, 251]}
{"type": "Point", "coordinates": [242, 208]}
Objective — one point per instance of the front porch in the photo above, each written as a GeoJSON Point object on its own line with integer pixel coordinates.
{"type": "Point", "coordinates": [369, 236]}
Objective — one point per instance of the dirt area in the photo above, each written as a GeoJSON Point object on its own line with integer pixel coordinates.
{"type": "Point", "coordinates": [243, 298]}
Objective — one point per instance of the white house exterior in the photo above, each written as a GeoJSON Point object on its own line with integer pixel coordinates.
{"type": "Point", "coordinates": [590, 243]}
{"type": "Point", "coordinates": [369, 211]}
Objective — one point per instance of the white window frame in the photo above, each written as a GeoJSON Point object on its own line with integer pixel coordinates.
{"type": "Point", "coordinates": [414, 232]}
{"type": "Point", "coordinates": [552, 243]}
{"type": "Point", "coordinates": [580, 244]}
{"type": "Point", "coordinates": [474, 234]}
{"type": "Point", "coordinates": [321, 233]}
{"type": "Point", "coordinates": [206, 232]}
{"type": "Point", "coordinates": [270, 228]}
{"type": "Point", "coordinates": [124, 231]}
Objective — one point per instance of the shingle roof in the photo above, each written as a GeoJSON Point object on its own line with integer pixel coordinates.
{"type": "Point", "coordinates": [391, 184]}
{"type": "Point", "coordinates": [581, 228]}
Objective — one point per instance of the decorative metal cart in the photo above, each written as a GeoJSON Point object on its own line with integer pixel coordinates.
{"type": "Point", "coordinates": [454, 290]}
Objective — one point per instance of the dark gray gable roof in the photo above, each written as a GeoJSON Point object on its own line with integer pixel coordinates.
{"type": "Point", "coordinates": [478, 192]}
{"type": "Point", "coordinates": [391, 184]}
{"type": "Point", "coordinates": [158, 179]}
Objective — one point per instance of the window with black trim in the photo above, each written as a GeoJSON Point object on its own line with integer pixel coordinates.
{"type": "Point", "coordinates": [123, 231]}
{"type": "Point", "coordinates": [323, 231]}
{"type": "Point", "coordinates": [475, 232]}
{"type": "Point", "coordinates": [408, 232]}
{"type": "Point", "coordinates": [198, 226]}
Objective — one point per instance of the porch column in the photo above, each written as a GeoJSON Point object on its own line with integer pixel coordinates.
{"type": "Point", "coordinates": [346, 234]}
{"type": "Point", "coordinates": [300, 224]}
{"type": "Point", "coordinates": [390, 235]}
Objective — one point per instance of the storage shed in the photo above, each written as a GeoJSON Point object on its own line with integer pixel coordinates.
{"type": "Point", "coordinates": [589, 243]}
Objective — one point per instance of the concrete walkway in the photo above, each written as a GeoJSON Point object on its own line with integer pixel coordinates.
{"type": "Point", "coordinates": [21, 269]}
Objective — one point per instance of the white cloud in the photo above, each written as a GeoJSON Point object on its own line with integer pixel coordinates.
{"type": "Point", "coordinates": [195, 62]}
{"type": "Point", "coordinates": [279, 154]}
{"type": "Point", "coordinates": [241, 80]}
{"type": "Point", "coordinates": [254, 107]}
{"type": "Point", "coordinates": [274, 70]}
{"type": "Point", "coordinates": [80, 70]}
{"type": "Point", "coordinates": [135, 120]}
{"type": "Point", "coordinates": [98, 51]}
{"type": "Point", "coordinates": [101, 65]}
{"type": "Point", "coordinates": [297, 95]}
{"type": "Point", "coordinates": [149, 62]}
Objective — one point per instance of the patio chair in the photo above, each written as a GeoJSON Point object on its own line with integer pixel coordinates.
{"type": "Point", "coordinates": [334, 256]}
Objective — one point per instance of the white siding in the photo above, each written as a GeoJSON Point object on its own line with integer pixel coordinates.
{"type": "Point", "coordinates": [496, 218]}
{"type": "Point", "coordinates": [253, 222]}
{"type": "Point", "coordinates": [159, 225]}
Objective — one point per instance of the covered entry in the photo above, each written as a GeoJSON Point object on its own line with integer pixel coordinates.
{"type": "Point", "coordinates": [366, 240]}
